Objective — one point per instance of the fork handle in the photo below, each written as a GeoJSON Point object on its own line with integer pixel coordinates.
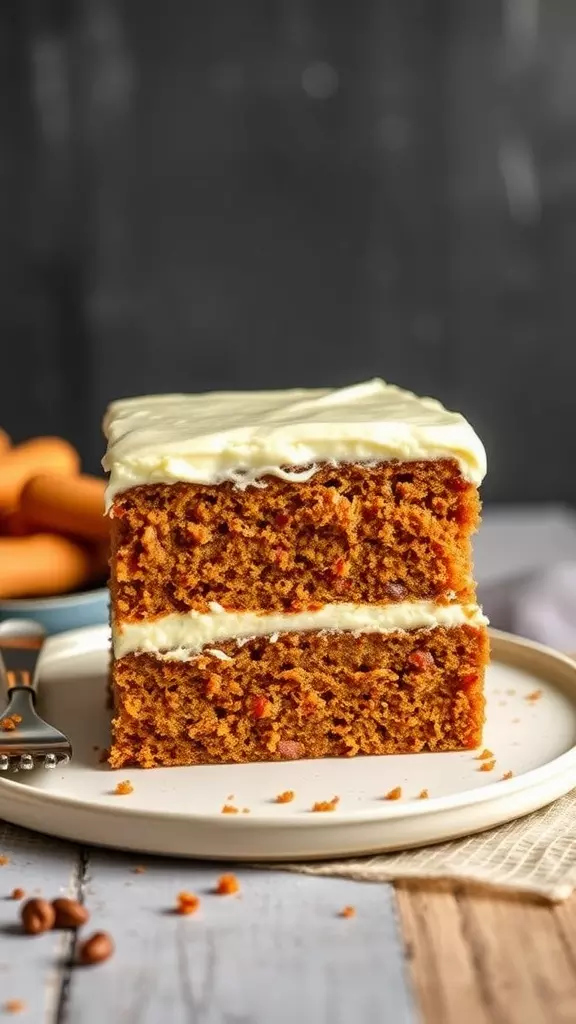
{"type": "Point", "coordinates": [21, 641]}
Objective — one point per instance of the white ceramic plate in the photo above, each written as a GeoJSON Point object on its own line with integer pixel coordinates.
{"type": "Point", "coordinates": [177, 811]}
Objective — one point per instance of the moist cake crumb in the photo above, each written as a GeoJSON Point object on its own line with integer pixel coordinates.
{"type": "Point", "coordinates": [423, 794]}
{"type": "Point", "coordinates": [124, 788]}
{"type": "Point", "coordinates": [227, 885]}
{"type": "Point", "coordinates": [229, 809]}
{"type": "Point", "coordinates": [286, 797]}
{"type": "Point", "coordinates": [187, 903]}
{"type": "Point", "coordinates": [381, 549]}
{"type": "Point", "coordinates": [14, 1006]}
{"type": "Point", "coordinates": [486, 755]}
{"type": "Point", "coordinates": [347, 912]}
{"type": "Point", "coordinates": [394, 794]}
{"type": "Point", "coordinates": [487, 766]}
{"type": "Point", "coordinates": [326, 805]}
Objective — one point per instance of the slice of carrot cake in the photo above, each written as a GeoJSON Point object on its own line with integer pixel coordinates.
{"type": "Point", "coordinates": [291, 576]}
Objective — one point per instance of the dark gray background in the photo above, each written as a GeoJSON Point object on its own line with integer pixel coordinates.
{"type": "Point", "coordinates": [267, 194]}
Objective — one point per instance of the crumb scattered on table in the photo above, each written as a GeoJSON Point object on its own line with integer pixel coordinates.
{"type": "Point", "coordinates": [423, 794]}
{"type": "Point", "coordinates": [124, 788]}
{"type": "Point", "coordinates": [534, 696]}
{"type": "Point", "coordinates": [229, 809]}
{"type": "Point", "coordinates": [486, 755]}
{"type": "Point", "coordinates": [14, 1006]}
{"type": "Point", "coordinates": [326, 805]}
{"type": "Point", "coordinates": [487, 766]}
{"type": "Point", "coordinates": [139, 869]}
{"type": "Point", "coordinates": [227, 885]}
{"type": "Point", "coordinates": [286, 797]}
{"type": "Point", "coordinates": [17, 894]}
{"type": "Point", "coordinates": [4, 860]}
{"type": "Point", "coordinates": [507, 775]}
{"type": "Point", "coordinates": [188, 903]}
{"type": "Point", "coordinates": [394, 794]}
{"type": "Point", "coordinates": [347, 912]}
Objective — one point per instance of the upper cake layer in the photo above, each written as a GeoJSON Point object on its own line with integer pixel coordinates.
{"type": "Point", "coordinates": [242, 436]}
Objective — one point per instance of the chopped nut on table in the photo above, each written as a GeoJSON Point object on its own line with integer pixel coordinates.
{"type": "Point", "coordinates": [96, 949]}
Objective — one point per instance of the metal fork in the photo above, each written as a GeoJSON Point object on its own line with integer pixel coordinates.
{"type": "Point", "coordinates": [25, 738]}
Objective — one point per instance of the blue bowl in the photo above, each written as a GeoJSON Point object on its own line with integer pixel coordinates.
{"type": "Point", "coordinates": [58, 614]}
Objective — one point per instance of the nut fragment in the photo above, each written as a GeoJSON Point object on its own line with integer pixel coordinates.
{"type": "Point", "coordinates": [69, 913]}
{"type": "Point", "coordinates": [96, 949]}
{"type": "Point", "coordinates": [37, 916]}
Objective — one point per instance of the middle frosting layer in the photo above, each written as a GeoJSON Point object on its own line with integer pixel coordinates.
{"type": "Point", "coordinates": [192, 631]}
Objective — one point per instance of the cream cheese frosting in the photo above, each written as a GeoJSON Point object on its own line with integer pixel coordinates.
{"type": "Point", "coordinates": [184, 634]}
{"type": "Point", "coordinates": [243, 436]}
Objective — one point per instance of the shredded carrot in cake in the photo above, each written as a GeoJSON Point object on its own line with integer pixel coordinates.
{"type": "Point", "coordinates": [423, 794]}
{"type": "Point", "coordinates": [326, 805]}
{"type": "Point", "coordinates": [487, 766]}
{"type": "Point", "coordinates": [486, 755]}
{"type": "Point", "coordinates": [347, 912]}
{"type": "Point", "coordinates": [229, 809]}
{"type": "Point", "coordinates": [534, 696]}
{"type": "Point", "coordinates": [187, 903]}
{"type": "Point", "coordinates": [507, 775]}
{"type": "Point", "coordinates": [394, 794]}
{"type": "Point", "coordinates": [227, 885]}
{"type": "Point", "coordinates": [124, 788]}
{"type": "Point", "coordinates": [286, 797]}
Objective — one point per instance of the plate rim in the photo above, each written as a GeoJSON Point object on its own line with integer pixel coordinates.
{"type": "Point", "coordinates": [502, 643]}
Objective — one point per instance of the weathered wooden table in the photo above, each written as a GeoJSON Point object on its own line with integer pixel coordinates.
{"type": "Point", "coordinates": [280, 953]}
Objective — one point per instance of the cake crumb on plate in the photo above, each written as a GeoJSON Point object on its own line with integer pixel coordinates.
{"type": "Point", "coordinates": [534, 696]}
{"type": "Point", "coordinates": [487, 766]}
{"type": "Point", "coordinates": [285, 798]}
{"type": "Point", "coordinates": [124, 788]}
{"type": "Point", "coordinates": [423, 794]}
{"type": "Point", "coordinates": [229, 809]}
{"type": "Point", "coordinates": [486, 755]}
{"type": "Point", "coordinates": [507, 775]}
{"type": "Point", "coordinates": [326, 805]}
{"type": "Point", "coordinates": [394, 794]}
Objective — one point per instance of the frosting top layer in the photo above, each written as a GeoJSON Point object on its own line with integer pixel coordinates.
{"type": "Point", "coordinates": [242, 436]}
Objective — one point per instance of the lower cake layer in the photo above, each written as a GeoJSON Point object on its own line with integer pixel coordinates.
{"type": "Point", "coordinates": [302, 695]}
